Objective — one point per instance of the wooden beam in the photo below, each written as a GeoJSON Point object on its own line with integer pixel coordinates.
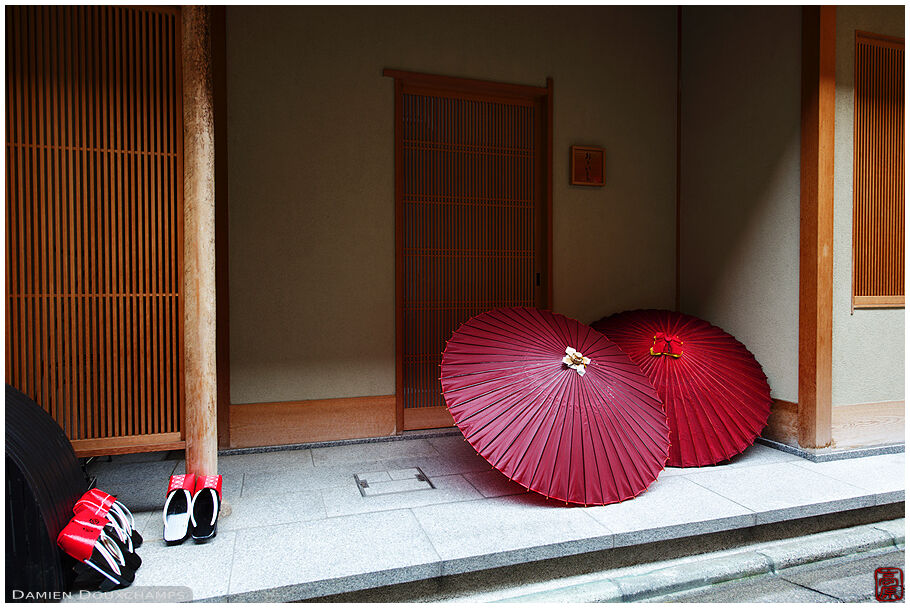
{"type": "Point", "coordinates": [289, 422]}
{"type": "Point", "coordinates": [129, 444]}
{"type": "Point", "coordinates": [816, 226]}
{"type": "Point", "coordinates": [465, 85]}
{"type": "Point", "coordinates": [199, 243]}
{"type": "Point", "coordinates": [878, 301]}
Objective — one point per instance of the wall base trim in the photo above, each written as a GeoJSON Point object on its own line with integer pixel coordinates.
{"type": "Point", "coordinates": [295, 422]}
{"type": "Point", "coordinates": [859, 425]}
{"type": "Point", "coordinates": [866, 424]}
{"type": "Point", "coordinates": [416, 418]}
{"type": "Point", "coordinates": [783, 423]}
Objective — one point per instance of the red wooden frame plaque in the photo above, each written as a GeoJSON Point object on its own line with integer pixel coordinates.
{"type": "Point", "coordinates": [587, 166]}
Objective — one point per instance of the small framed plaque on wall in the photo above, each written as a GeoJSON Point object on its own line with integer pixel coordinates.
{"type": "Point", "coordinates": [587, 166]}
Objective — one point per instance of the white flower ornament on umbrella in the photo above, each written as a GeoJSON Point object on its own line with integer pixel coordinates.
{"type": "Point", "coordinates": [576, 360]}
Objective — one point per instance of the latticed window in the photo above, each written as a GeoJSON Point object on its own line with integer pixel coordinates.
{"type": "Point", "coordinates": [878, 172]}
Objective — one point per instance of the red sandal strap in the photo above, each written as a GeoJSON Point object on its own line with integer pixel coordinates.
{"type": "Point", "coordinates": [209, 481]}
{"type": "Point", "coordinates": [96, 501]}
{"type": "Point", "coordinates": [79, 536]}
{"type": "Point", "coordinates": [181, 482]}
{"type": "Point", "coordinates": [99, 495]}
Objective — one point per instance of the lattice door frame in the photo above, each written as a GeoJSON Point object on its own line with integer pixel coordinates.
{"type": "Point", "coordinates": [412, 83]}
{"type": "Point", "coordinates": [97, 338]}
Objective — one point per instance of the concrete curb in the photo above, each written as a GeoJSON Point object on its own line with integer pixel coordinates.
{"type": "Point", "coordinates": [895, 528]}
{"type": "Point", "coordinates": [643, 582]}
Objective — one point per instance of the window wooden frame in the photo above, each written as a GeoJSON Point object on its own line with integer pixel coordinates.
{"type": "Point", "coordinates": [874, 268]}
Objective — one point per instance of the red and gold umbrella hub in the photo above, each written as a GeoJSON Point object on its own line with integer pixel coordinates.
{"type": "Point", "coordinates": [664, 344]}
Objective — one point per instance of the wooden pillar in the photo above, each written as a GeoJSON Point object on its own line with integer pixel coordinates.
{"type": "Point", "coordinates": [223, 357]}
{"type": "Point", "coordinates": [816, 227]}
{"type": "Point", "coordinates": [199, 243]}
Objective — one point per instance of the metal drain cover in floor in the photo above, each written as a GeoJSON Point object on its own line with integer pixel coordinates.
{"type": "Point", "coordinates": [378, 483]}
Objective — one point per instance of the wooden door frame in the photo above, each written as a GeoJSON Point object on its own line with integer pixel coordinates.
{"type": "Point", "coordinates": [464, 86]}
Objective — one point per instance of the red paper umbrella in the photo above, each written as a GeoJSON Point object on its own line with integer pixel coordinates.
{"type": "Point", "coordinates": [716, 396]}
{"type": "Point", "coordinates": [554, 405]}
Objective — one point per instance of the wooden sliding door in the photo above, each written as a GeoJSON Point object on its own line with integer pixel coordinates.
{"type": "Point", "coordinates": [94, 199]}
{"type": "Point", "coordinates": [472, 229]}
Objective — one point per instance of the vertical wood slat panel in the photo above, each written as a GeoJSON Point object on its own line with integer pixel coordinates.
{"type": "Point", "coordinates": [93, 261]}
{"type": "Point", "coordinates": [466, 207]}
{"type": "Point", "coordinates": [67, 161]}
{"type": "Point", "coordinates": [111, 185]}
{"type": "Point", "coordinates": [53, 179]}
{"type": "Point", "coordinates": [878, 172]}
{"type": "Point", "coordinates": [41, 186]}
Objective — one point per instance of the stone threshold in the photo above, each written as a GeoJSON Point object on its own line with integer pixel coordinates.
{"type": "Point", "coordinates": [832, 454]}
{"type": "Point", "coordinates": [405, 436]}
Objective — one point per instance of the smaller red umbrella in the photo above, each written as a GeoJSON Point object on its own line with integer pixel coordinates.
{"type": "Point", "coordinates": [715, 393]}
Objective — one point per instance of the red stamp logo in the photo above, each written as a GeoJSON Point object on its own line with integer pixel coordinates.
{"type": "Point", "coordinates": [889, 584]}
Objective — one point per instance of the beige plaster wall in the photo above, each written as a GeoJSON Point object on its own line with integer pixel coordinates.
{"type": "Point", "coordinates": [311, 172]}
{"type": "Point", "coordinates": [868, 346]}
{"type": "Point", "coordinates": [739, 226]}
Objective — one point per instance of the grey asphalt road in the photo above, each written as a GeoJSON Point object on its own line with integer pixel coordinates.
{"type": "Point", "coordinates": [847, 579]}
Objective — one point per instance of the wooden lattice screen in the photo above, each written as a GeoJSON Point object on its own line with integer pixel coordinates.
{"type": "Point", "coordinates": [94, 188]}
{"type": "Point", "coordinates": [878, 173]}
{"type": "Point", "coordinates": [472, 195]}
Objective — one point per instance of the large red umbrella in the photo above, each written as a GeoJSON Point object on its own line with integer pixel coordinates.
{"type": "Point", "coordinates": [716, 396]}
{"type": "Point", "coordinates": [554, 405]}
